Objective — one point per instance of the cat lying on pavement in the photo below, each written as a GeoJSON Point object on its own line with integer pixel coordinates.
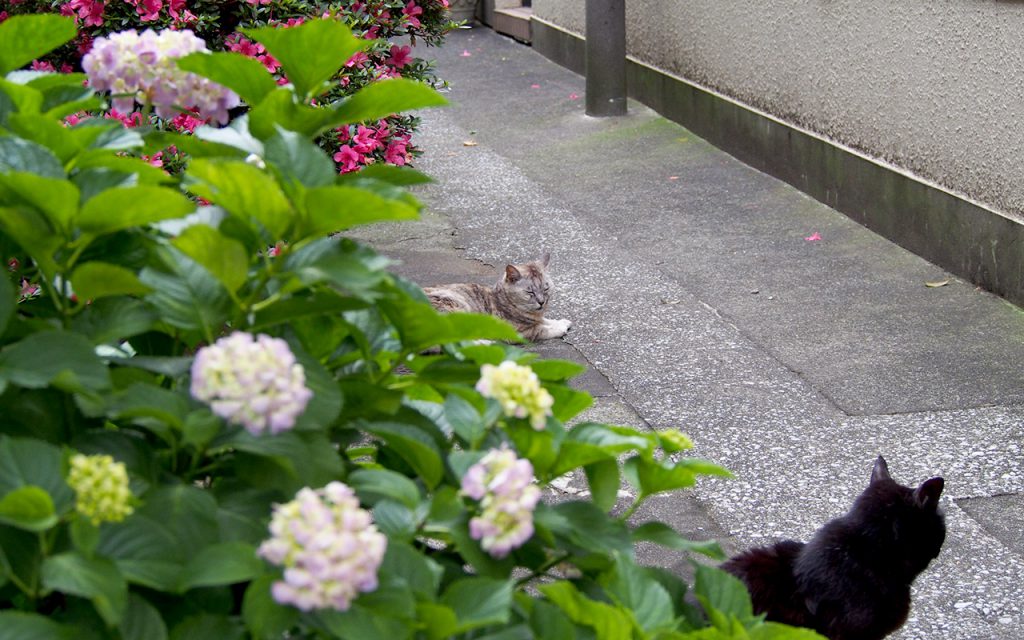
{"type": "Point", "coordinates": [852, 580]}
{"type": "Point", "coordinates": [520, 298]}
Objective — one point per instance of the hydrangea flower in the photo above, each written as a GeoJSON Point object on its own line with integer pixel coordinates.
{"type": "Point", "coordinates": [503, 483]}
{"type": "Point", "coordinates": [251, 380]}
{"type": "Point", "coordinates": [141, 67]}
{"type": "Point", "coordinates": [518, 391]}
{"type": "Point", "coordinates": [101, 488]}
{"type": "Point", "coordinates": [329, 548]}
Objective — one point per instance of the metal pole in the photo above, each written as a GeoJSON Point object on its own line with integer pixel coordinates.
{"type": "Point", "coordinates": [606, 57]}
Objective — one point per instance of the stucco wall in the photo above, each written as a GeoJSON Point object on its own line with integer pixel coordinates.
{"type": "Point", "coordinates": [935, 87]}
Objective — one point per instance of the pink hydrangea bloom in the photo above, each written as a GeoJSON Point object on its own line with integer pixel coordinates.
{"type": "Point", "coordinates": [329, 548]}
{"type": "Point", "coordinates": [503, 483]}
{"type": "Point", "coordinates": [251, 380]}
{"type": "Point", "coordinates": [141, 67]}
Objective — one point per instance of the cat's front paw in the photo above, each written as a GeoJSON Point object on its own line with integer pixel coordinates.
{"type": "Point", "coordinates": [559, 328]}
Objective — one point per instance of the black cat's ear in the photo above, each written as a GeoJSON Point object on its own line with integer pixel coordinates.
{"type": "Point", "coordinates": [512, 274]}
{"type": "Point", "coordinates": [927, 495]}
{"type": "Point", "coordinates": [880, 471]}
{"type": "Point", "coordinates": [545, 259]}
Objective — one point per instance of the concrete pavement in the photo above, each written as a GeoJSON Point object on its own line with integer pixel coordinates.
{"type": "Point", "coordinates": [792, 344]}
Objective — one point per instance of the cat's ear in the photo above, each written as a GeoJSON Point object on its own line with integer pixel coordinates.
{"type": "Point", "coordinates": [512, 274]}
{"type": "Point", "coordinates": [880, 471]}
{"type": "Point", "coordinates": [545, 259]}
{"type": "Point", "coordinates": [927, 495]}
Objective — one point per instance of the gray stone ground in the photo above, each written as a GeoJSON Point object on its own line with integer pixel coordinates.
{"type": "Point", "coordinates": [699, 303]}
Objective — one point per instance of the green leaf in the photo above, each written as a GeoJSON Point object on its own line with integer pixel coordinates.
{"type": "Point", "coordinates": [603, 479]}
{"type": "Point", "coordinates": [208, 626]}
{"type": "Point", "coordinates": [126, 207]}
{"type": "Point", "coordinates": [299, 159]}
{"type": "Point", "coordinates": [17, 154]}
{"type": "Point", "coordinates": [416, 448]}
{"type": "Point", "coordinates": [568, 402]}
{"type": "Point", "coordinates": [311, 53]}
{"type": "Point", "coordinates": [7, 302]}
{"type": "Point", "coordinates": [652, 476]}
{"type": "Point", "coordinates": [32, 462]}
{"type": "Point", "coordinates": [25, 38]}
{"type": "Point", "coordinates": [95, 280]}
{"type": "Point", "coordinates": [245, 76]}
{"type": "Point", "coordinates": [479, 602]}
{"type": "Point", "coordinates": [395, 520]}
{"type": "Point", "coordinates": [373, 485]}
{"type": "Point", "coordinates": [334, 209]}
{"type": "Point", "coordinates": [96, 579]}
{"type": "Point", "coordinates": [189, 298]}
{"type": "Point", "coordinates": [422, 574]}
{"type": "Point", "coordinates": [632, 588]}
{"type": "Point", "coordinates": [28, 507]}
{"type": "Point", "coordinates": [464, 419]}
{"type": "Point", "coordinates": [358, 623]}
{"type": "Point", "coordinates": [608, 622]}
{"type": "Point", "coordinates": [20, 625]}
{"type": "Point", "coordinates": [110, 320]}
{"type": "Point", "coordinates": [440, 621]}
{"type": "Point", "coordinates": [142, 621]}
{"type": "Point", "coordinates": [263, 616]}
{"type": "Point", "coordinates": [664, 535]}
{"type": "Point", "coordinates": [722, 592]}
{"type": "Point", "coordinates": [57, 199]}
{"type": "Point", "coordinates": [66, 360]}
{"type": "Point", "coordinates": [221, 564]}
{"type": "Point", "coordinates": [421, 326]}
{"type": "Point", "coordinates": [46, 131]}
{"type": "Point", "coordinates": [556, 370]}
{"type": "Point", "coordinates": [320, 303]}
{"type": "Point", "coordinates": [388, 173]}
{"type": "Point", "coordinates": [225, 258]}
{"type": "Point", "coordinates": [384, 98]}
{"type": "Point", "coordinates": [244, 191]}
{"type": "Point", "coordinates": [84, 535]}
{"type": "Point", "coordinates": [584, 524]}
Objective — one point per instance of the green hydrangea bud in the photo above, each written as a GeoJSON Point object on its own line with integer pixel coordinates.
{"type": "Point", "coordinates": [101, 488]}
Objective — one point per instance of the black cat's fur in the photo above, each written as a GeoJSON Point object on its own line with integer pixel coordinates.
{"type": "Point", "coordinates": [852, 580]}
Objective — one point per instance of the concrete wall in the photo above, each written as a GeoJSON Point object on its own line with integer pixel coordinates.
{"type": "Point", "coordinates": [934, 87]}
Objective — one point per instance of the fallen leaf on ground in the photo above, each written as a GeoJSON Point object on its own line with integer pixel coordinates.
{"type": "Point", "coordinates": [535, 86]}
{"type": "Point", "coordinates": [465, 53]}
{"type": "Point", "coordinates": [814, 237]}
{"type": "Point", "coordinates": [939, 283]}
{"type": "Point", "coordinates": [470, 143]}
{"type": "Point", "coordinates": [673, 177]}
{"type": "Point", "coordinates": [574, 96]}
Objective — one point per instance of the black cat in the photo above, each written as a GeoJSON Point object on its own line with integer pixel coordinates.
{"type": "Point", "coordinates": [852, 580]}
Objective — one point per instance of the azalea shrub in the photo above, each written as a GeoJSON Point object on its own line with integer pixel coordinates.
{"type": "Point", "coordinates": [393, 27]}
{"type": "Point", "coordinates": [220, 418]}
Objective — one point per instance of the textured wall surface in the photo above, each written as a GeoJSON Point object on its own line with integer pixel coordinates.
{"type": "Point", "coordinates": [935, 87]}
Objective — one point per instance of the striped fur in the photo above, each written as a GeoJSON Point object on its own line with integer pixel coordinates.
{"type": "Point", "coordinates": [520, 298]}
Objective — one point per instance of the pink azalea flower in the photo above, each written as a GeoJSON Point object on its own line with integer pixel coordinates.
{"type": "Point", "coordinates": [187, 122]}
{"type": "Point", "coordinates": [397, 153]}
{"type": "Point", "coordinates": [412, 12]}
{"type": "Point", "coordinates": [258, 2]}
{"type": "Point", "coordinates": [365, 140]}
{"type": "Point", "coordinates": [814, 237]}
{"type": "Point", "coordinates": [90, 12]}
{"type": "Point", "coordinates": [155, 160]}
{"type": "Point", "coordinates": [4, 16]}
{"type": "Point", "coordinates": [358, 59]}
{"type": "Point", "coordinates": [348, 158]}
{"type": "Point", "coordinates": [148, 10]}
{"type": "Point", "coordinates": [42, 65]}
{"type": "Point", "coordinates": [175, 7]}
{"type": "Point", "coordinates": [400, 56]}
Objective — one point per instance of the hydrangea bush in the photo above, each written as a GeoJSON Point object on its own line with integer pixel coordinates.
{"type": "Point", "coordinates": [201, 438]}
{"type": "Point", "coordinates": [392, 29]}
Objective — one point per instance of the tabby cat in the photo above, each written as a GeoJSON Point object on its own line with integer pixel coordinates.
{"type": "Point", "coordinates": [852, 580]}
{"type": "Point", "coordinates": [520, 298]}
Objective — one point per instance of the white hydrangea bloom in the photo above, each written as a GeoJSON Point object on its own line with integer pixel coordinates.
{"type": "Point", "coordinates": [518, 390]}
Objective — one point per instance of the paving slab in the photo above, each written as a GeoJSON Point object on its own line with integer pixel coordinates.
{"type": "Point", "coordinates": [701, 303]}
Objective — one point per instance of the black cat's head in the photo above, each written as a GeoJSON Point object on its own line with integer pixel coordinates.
{"type": "Point", "coordinates": [902, 521]}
